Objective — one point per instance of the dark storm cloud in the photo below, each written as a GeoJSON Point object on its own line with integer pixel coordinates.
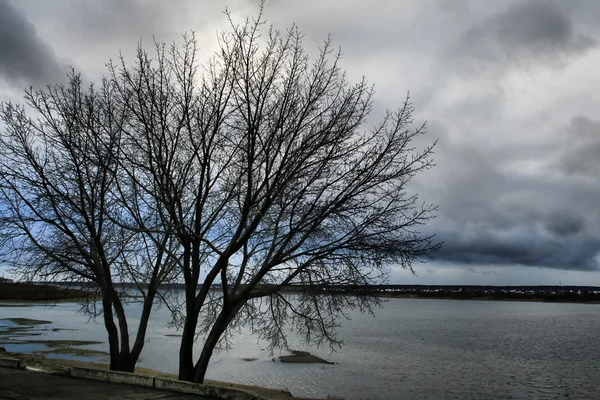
{"type": "Point", "coordinates": [565, 224]}
{"type": "Point", "coordinates": [489, 248]}
{"type": "Point", "coordinates": [24, 57]}
{"type": "Point", "coordinates": [527, 32]}
{"type": "Point", "coordinates": [494, 211]}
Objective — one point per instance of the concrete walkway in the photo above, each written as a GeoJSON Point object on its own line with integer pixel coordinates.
{"type": "Point", "coordinates": [19, 384]}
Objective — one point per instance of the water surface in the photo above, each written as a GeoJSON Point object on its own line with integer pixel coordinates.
{"type": "Point", "coordinates": [413, 349]}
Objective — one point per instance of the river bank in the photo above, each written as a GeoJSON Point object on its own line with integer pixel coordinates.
{"type": "Point", "coordinates": [58, 356]}
{"type": "Point", "coordinates": [27, 384]}
{"type": "Point", "coordinates": [61, 366]}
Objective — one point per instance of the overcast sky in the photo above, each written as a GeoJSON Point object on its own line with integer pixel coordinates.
{"type": "Point", "coordinates": [510, 88]}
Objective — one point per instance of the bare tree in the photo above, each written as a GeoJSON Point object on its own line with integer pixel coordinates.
{"type": "Point", "coordinates": [61, 209]}
{"type": "Point", "coordinates": [262, 168]}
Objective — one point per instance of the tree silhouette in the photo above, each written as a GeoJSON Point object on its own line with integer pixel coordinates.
{"type": "Point", "coordinates": [60, 204]}
{"type": "Point", "coordinates": [250, 175]}
{"type": "Point", "coordinates": [268, 180]}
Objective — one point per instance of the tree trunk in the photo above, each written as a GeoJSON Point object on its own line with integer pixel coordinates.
{"type": "Point", "coordinates": [207, 351]}
{"type": "Point", "coordinates": [186, 348]}
{"type": "Point", "coordinates": [123, 362]}
{"type": "Point", "coordinates": [138, 345]}
{"type": "Point", "coordinates": [122, 320]}
{"type": "Point", "coordinates": [113, 333]}
{"type": "Point", "coordinates": [223, 320]}
{"type": "Point", "coordinates": [120, 359]}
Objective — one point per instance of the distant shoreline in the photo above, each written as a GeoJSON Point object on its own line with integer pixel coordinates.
{"type": "Point", "coordinates": [38, 292]}
{"type": "Point", "coordinates": [63, 291]}
{"type": "Point", "coordinates": [556, 298]}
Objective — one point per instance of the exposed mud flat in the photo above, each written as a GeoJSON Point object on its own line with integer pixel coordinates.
{"type": "Point", "coordinates": [15, 336]}
{"type": "Point", "coordinates": [303, 357]}
{"type": "Point", "coordinates": [26, 321]}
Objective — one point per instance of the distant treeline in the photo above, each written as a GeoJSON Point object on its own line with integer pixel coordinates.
{"type": "Point", "coordinates": [470, 292]}
{"type": "Point", "coordinates": [581, 293]}
{"type": "Point", "coordinates": [38, 291]}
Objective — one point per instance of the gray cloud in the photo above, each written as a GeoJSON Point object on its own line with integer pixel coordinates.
{"type": "Point", "coordinates": [582, 143]}
{"type": "Point", "coordinates": [111, 20]}
{"type": "Point", "coordinates": [517, 177]}
{"type": "Point", "coordinates": [527, 32]}
{"type": "Point", "coordinates": [24, 57]}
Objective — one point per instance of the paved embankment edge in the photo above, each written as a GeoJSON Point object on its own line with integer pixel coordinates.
{"type": "Point", "coordinates": [163, 383]}
{"type": "Point", "coordinates": [10, 362]}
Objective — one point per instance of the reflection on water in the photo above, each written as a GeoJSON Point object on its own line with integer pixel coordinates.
{"type": "Point", "coordinates": [414, 349]}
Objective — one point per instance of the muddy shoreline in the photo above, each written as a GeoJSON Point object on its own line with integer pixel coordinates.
{"type": "Point", "coordinates": [60, 366]}
{"type": "Point", "coordinates": [58, 356]}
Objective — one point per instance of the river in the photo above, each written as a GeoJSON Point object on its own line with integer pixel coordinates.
{"type": "Point", "coordinates": [412, 349]}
